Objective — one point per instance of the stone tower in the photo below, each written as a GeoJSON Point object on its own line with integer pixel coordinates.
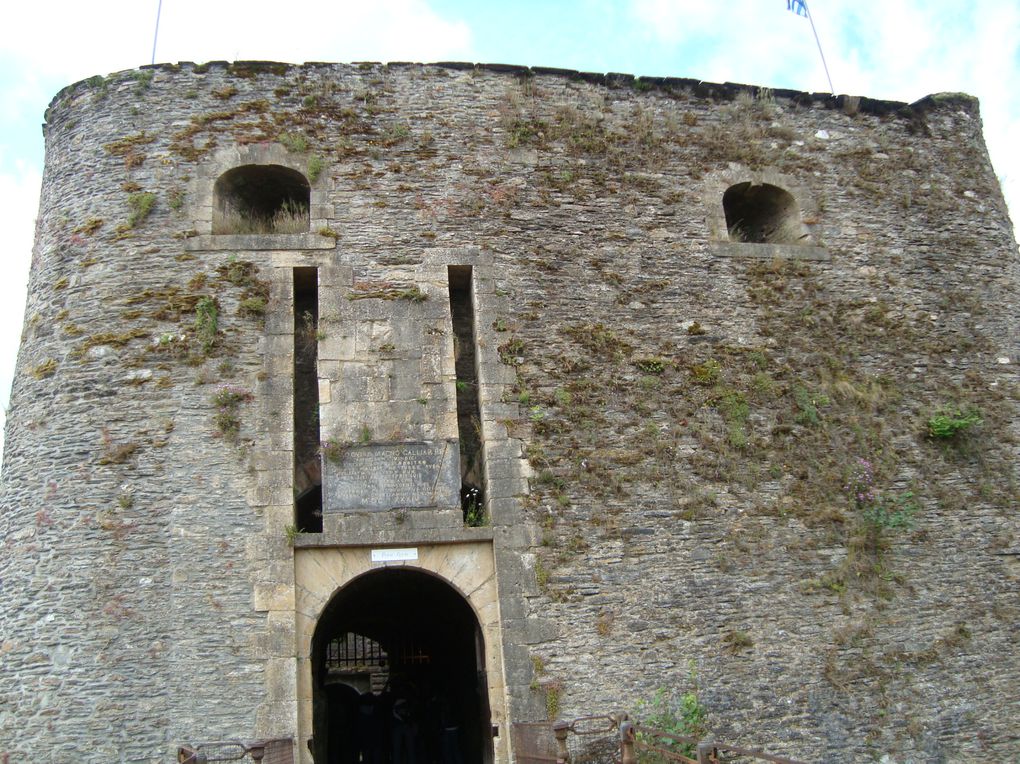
{"type": "Point", "coordinates": [510, 394]}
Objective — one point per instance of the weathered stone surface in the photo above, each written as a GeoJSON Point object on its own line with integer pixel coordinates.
{"type": "Point", "coordinates": [669, 416]}
{"type": "Point", "coordinates": [392, 476]}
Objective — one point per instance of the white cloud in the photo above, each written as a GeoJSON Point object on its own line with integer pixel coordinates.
{"type": "Point", "coordinates": [897, 51]}
{"type": "Point", "coordinates": [746, 41]}
{"type": "Point", "coordinates": [937, 47]}
{"type": "Point", "coordinates": [102, 36]}
{"type": "Point", "coordinates": [73, 40]}
{"type": "Point", "coordinates": [18, 97]}
{"type": "Point", "coordinates": [673, 21]}
{"type": "Point", "coordinates": [405, 30]}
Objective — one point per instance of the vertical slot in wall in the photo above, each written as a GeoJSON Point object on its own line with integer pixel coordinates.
{"type": "Point", "coordinates": [469, 420]}
{"type": "Point", "coordinates": [307, 460]}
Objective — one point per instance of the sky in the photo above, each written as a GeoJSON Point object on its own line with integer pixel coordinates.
{"type": "Point", "coordinates": [889, 49]}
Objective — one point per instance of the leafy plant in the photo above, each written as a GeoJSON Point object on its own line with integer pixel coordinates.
{"type": "Point", "coordinates": [737, 640]}
{"type": "Point", "coordinates": [879, 512]}
{"type": "Point", "coordinates": [141, 205]}
{"type": "Point", "coordinates": [228, 399]}
{"type": "Point", "coordinates": [176, 199]}
{"type": "Point", "coordinates": [553, 700]}
{"type": "Point", "coordinates": [99, 84]}
{"type": "Point", "coordinates": [254, 306]}
{"type": "Point", "coordinates": [949, 422]}
{"type": "Point", "coordinates": [232, 395]}
{"type": "Point", "coordinates": [396, 134]}
{"type": "Point", "coordinates": [90, 226]}
{"type": "Point", "coordinates": [598, 339]}
{"type": "Point", "coordinates": [413, 294]}
{"type": "Point", "coordinates": [335, 450]}
{"type": "Point", "coordinates": [891, 512]}
{"type": "Point", "coordinates": [316, 164]}
{"type": "Point", "coordinates": [651, 365]}
{"type": "Point", "coordinates": [143, 80]}
{"type": "Point", "coordinates": [733, 406]}
{"type": "Point", "coordinates": [538, 665]}
{"type": "Point", "coordinates": [675, 717]}
{"type": "Point", "coordinates": [474, 508]}
{"type": "Point", "coordinates": [207, 322]}
{"type": "Point", "coordinates": [735, 410]}
{"type": "Point", "coordinates": [541, 575]}
{"type": "Point", "coordinates": [510, 352]}
{"type": "Point", "coordinates": [238, 272]}
{"type": "Point", "coordinates": [294, 142]}
{"type": "Point", "coordinates": [522, 133]}
{"type": "Point", "coordinates": [807, 405]}
{"type": "Point", "coordinates": [707, 373]}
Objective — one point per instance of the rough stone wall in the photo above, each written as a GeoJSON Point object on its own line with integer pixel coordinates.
{"type": "Point", "coordinates": [691, 408]}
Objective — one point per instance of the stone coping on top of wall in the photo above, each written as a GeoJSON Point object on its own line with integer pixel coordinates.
{"type": "Point", "coordinates": [721, 91]}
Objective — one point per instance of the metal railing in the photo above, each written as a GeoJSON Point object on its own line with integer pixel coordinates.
{"type": "Point", "coordinates": [615, 739]}
{"type": "Point", "coordinates": [279, 751]}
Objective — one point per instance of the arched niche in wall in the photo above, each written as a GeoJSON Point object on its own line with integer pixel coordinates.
{"type": "Point", "coordinates": [258, 196]}
{"type": "Point", "coordinates": [761, 213]}
{"type": "Point", "coordinates": [261, 199]}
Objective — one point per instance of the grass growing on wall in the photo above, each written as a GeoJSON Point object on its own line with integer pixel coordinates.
{"type": "Point", "coordinates": [781, 427]}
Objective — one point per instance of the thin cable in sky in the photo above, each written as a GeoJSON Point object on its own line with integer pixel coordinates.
{"type": "Point", "coordinates": [155, 36]}
{"type": "Point", "coordinates": [800, 7]}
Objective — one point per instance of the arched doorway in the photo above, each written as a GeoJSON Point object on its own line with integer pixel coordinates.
{"type": "Point", "coordinates": [398, 674]}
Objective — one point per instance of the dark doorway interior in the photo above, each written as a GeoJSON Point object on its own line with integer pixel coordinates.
{"type": "Point", "coordinates": [469, 418]}
{"type": "Point", "coordinates": [399, 674]}
{"type": "Point", "coordinates": [762, 214]}
{"type": "Point", "coordinates": [307, 460]}
{"type": "Point", "coordinates": [261, 199]}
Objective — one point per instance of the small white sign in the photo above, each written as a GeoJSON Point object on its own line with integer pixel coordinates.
{"type": "Point", "coordinates": [391, 555]}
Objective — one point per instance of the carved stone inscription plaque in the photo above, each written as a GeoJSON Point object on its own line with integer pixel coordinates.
{"type": "Point", "coordinates": [389, 476]}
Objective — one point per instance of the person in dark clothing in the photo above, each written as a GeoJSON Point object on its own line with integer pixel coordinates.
{"type": "Point", "coordinates": [404, 732]}
{"type": "Point", "coordinates": [372, 729]}
{"type": "Point", "coordinates": [449, 734]}
{"type": "Point", "coordinates": [343, 724]}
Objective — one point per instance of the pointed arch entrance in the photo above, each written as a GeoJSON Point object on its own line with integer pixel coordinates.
{"type": "Point", "coordinates": [398, 673]}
